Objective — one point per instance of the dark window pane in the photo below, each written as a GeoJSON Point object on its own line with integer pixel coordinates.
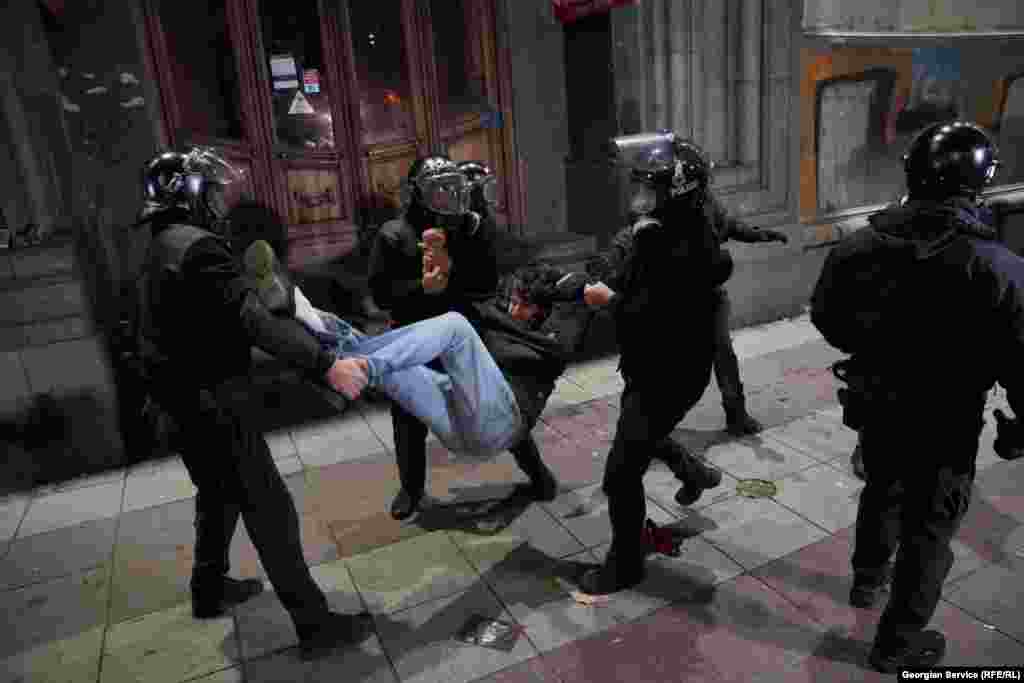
{"type": "Point", "coordinates": [203, 69]}
{"type": "Point", "coordinates": [300, 93]}
{"type": "Point", "coordinates": [868, 103]}
{"type": "Point", "coordinates": [385, 105]}
{"type": "Point", "coordinates": [458, 56]}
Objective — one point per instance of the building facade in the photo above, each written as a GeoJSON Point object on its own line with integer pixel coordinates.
{"type": "Point", "coordinates": [325, 103]}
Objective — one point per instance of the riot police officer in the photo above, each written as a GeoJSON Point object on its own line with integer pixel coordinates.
{"type": "Point", "coordinates": [198, 321]}
{"type": "Point", "coordinates": [662, 300]}
{"type": "Point", "coordinates": [446, 211]}
{"type": "Point", "coordinates": [932, 313]}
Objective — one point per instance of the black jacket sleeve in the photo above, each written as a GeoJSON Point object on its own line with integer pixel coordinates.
{"type": "Point", "coordinates": [211, 266]}
{"type": "Point", "coordinates": [729, 228]}
{"type": "Point", "coordinates": [392, 280]}
{"type": "Point", "coordinates": [474, 257]}
{"type": "Point", "coordinates": [609, 266]}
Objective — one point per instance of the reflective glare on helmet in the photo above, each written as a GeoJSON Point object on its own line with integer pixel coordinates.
{"type": "Point", "coordinates": [489, 190]}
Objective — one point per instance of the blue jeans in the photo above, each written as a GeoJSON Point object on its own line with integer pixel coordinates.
{"type": "Point", "coordinates": [470, 407]}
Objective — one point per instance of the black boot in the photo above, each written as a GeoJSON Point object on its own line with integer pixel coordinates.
{"type": "Point", "coordinates": [921, 650]}
{"type": "Point", "coordinates": [738, 421]}
{"type": "Point", "coordinates": [212, 597]}
{"type": "Point", "coordinates": [405, 505]}
{"type": "Point", "coordinates": [868, 588]}
{"type": "Point", "coordinates": [612, 577]}
{"type": "Point", "coordinates": [703, 477]}
{"type": "Point", "coordinates": [543, 485]}
{"type": "Point", "coordinates": [333, 630]}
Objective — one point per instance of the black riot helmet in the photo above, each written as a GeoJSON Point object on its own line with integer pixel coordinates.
{"type": "Point", "coordinates": [483, 183]}
{"type": "Point", "coordinates": [435, 185]}
{"type": "Point", "coordinates": [665, 168]}
{"type": "Point", "coordinates": [193, 184]}
{"type": "Point", "coordinates": [944, 160]}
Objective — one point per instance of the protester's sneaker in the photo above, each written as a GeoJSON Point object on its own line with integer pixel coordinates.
{"type": "Point", "coordinates": [921, 650]}
{"type": "Point", "coordinates": [867, 590]}
{"type": "Point", "coordinates": [212, 599]}
{"type": "Point", "coordinates": [335, 630]}
{"type": "Point", "coordinates": [405, 505]}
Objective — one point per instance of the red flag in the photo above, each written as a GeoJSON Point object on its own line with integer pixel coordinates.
{"type": "Point", "coordinates": [568, 11]}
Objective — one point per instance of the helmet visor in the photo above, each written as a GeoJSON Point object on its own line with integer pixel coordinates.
{"type": "Point", "coordinates": [645, 152]}
{"type": "Point", "coordinates": [213, 167]}
{"type": "Point", "coordinates": [446, 193]}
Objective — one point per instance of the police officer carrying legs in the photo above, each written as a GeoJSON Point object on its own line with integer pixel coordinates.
{"type": "Point", "coordinates": [198, 321]}
{"type": "Point", "coordinates": [458, 272]}
{"type": "Point", "coordinates": [662, 300]}
{"type": "Point", "coordinates": [932, 314]}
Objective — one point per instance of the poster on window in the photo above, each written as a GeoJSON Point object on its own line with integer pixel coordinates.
{"type": "Point", "coordinates": [910, 17]}
{"type": "Point", "coordinates": [568, 11]}
{"type": "Point", "coordinates": [283, 72]}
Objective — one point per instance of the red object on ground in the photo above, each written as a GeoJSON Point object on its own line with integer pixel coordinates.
{"type": "Point", "coordinates": [568, 11]}
{"type": "Point", "coordinates": [660, 540]}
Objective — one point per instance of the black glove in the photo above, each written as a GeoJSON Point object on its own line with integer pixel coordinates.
{"type": "Point", "coordinates": [773, 236]}
{"type": "Point", "coordinates": [1009, 443]}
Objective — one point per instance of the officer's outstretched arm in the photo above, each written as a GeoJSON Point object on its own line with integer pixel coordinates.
{"type": "Point", "coordinates": [211, 266]}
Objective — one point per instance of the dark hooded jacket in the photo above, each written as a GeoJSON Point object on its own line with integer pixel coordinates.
{"type": "Point", "coordinates": [664, 281]}
{"type": "Point", "coordinates": [396, 269]}
{"type": "Point", "coordinates": [931, 306]}
{"type": "Point", "coordinates": [533, 357]}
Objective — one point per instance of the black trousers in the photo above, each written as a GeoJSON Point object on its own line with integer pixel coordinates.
{"type": "Point", "coordinates": [231, 465]}
{"type": "Point", "coordinates": [914, 501]}
{"type": "Point", "coordinates": [727, 366]}
{"type": "Point", "coordinates": [411, 452]}
{"type": "Point", "coordinates": [650, 409]}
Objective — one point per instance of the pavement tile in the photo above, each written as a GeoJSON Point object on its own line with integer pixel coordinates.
{"type": "Point", "coordinates": [585, 421]}
{"type": "Point", "coordinates": [70, 508]}
{"type": "Point", "coordinates": [75, 659]}
{"type": "Point", "coordinates": [157, 483]}
{"type": "Point", "coordinates": [661, 486]}
{"type": "Point", "coordinates": [362, 663]}
{"type": "Point", "coordinates": [567, 393]}
{"type": "Point", "coordinates": [699, 567]}
{"type": "Point", "coordinates": [49, 555]}
{"type": "Point", "coordinates": [584, 512]}
{"type": "Point", "coordinates": [759, 457]}
{"type": "Point", "coordinates": [993, 595]}
{"type": "Point", "coordinates": [167, 647]}
{"type": "Point", "coordinates": [535, 589]}
{"type": "Point", "coordinates": [281, 444]}
{"type": "Point", "coordinates": [49, 612]}
{"type": "Point", "coordinates": [337, 440]}
{"type": "Point", "coordinates": [533, 526]}
{"type": "Point", "coordinates": [264, 627]}
{"type": "Point", "coordinates": [411, 572]}
{"type": "Point", "coordinates": [232, 675]}
{"type": "Point", "coordinates": [574, 463]}
{"type": "Point", "coordinates": [318, 546]}
{"type": "Point", "coordinates": [973, 642]}
{"type": "Point", "coordinates": [351, 490]}
{"type": "Point", "coordinates": [161, 528]}
{"type": "Point", "coordinates": [110, 477]}
{"type": "Point", "coordinates": [422, 644]}
{"type": "Point", "coordinates": [1002, 486]}
{"type": "Point", "coordinates": [737, 631]}
{"type": "Point", "coordinates": [147, 583]}
{"type": "Point", "coordinates": [12, 511]}
{"type": "Point", "coordinates": [378, 417]}
{"type": "Point", "coordinates": [823, 495]}
{"type": "Point", "coordinates": [818, 436]}
{"type": "Point", "coordinates": [752, 532]}
{"type": "Point", "coordinates": [531, 671]}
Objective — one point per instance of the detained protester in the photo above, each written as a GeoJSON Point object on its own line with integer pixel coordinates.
{"type": "Point", "coordinates": [198, 321]}
{"type": "Point", "coordinates": [671, 269]}
{"type": "Point", "coordinates": [439, 257]}
{"type": "Point", "coordinates": [931, 311]}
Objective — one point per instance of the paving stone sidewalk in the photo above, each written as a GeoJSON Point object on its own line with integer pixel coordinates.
{"type": "Point", "coordinates": [94, 573]}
